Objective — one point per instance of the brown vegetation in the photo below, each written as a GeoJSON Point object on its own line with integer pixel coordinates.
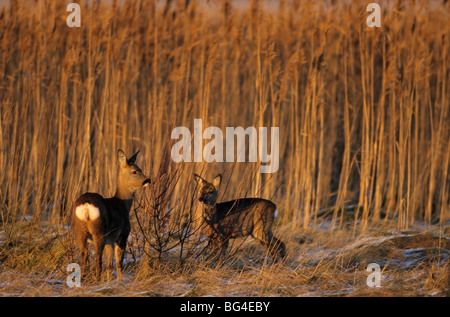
{"type": "Point", "coordinates": [364, 117]}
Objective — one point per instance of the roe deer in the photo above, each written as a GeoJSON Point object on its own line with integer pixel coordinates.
{"type": "Point", "coordinates": [106, 220]}
{"type": "Point", "coordinates": [237, 218]}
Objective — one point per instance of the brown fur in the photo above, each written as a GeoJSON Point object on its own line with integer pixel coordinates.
{"type": "Point", "coordinates": [111, 228]}
{"type": "Point", "coordinates": [237, 218]}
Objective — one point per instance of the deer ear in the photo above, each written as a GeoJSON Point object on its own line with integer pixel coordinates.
{"type": "Point", "coordinates": [121, 157]}
{"type": "Point", "coordinates": [200, 181]}
{"type": "Point", "coordinates": [217, 180]}
{"type": "Point", "coordinates": [134, 157]}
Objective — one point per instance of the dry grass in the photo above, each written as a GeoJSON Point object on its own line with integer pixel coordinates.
{"type": "Point", "coordinates": [364, 117]}
{"type": "Point", "coordinates": [319, 263]}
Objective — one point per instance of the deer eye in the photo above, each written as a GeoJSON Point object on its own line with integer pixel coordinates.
{"type": "Point", "coordinates": [134, 172]}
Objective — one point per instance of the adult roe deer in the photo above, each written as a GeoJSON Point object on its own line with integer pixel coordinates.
{"type": "Point", "coordinates": [237, 218]}
{"type": "Point", "coordinates": [106, 220]}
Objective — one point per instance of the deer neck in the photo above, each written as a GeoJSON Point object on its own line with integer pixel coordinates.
{"type": "Point", "coordinates": [125, 195]}
{"type": "Point", "coordinates": [209, 211]}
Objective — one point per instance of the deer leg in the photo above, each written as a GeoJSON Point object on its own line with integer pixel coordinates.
{"type": "Point", "coordinates": [109, 260]}
{"type": "Point", "coordinates": [214, 249]}
{"type": "Point", "coordinates": [84, 257]}
{"type": "Point", "coordinates": [81, 241]}
{"type": "Point", "coordinates": [277, 248]}
{"type": "Point", "coordinates": [120, 250]}
{"type": "Point", "coordinates": [223, 246]}
{"type": "Point", "coordinates": [219, 245]}
{"type": "Point", "coordinates": [99, 246]}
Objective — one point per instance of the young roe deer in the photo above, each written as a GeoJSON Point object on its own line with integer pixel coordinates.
{"type": "Point", "coordinates": [237, 218]}
{"type": "Point", "coordinates": [106, 220]}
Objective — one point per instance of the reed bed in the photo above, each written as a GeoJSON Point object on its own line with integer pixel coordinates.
{"type": "Point", "coordinates": [364, 113]}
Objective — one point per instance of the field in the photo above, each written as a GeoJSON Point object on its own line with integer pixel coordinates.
{"type": "Point", "coordinates": [364, 142]}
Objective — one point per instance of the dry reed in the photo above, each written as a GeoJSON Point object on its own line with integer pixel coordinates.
{"type": "Point", "coordinates": [364, 114]}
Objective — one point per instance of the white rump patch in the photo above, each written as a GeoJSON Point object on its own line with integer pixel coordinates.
{"type": "Point", "coordinates": [87, 212]}
{"type": "Point", "coordinates": [276, 213]}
